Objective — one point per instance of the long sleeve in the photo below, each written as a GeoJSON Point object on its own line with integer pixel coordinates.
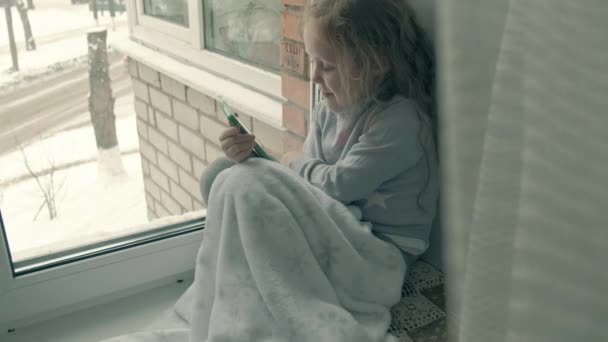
{"type": "Point", "coordinates": [388, 146]}
{"type": "Point", "coordinates": [312, 148]}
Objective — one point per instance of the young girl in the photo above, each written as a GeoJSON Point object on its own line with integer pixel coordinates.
{"type": "Point", "coordinates": [317, 249]}
{"type": "Point", "coordinates": [353, 210]}
{"type": "Point", "coordinates": [371, 144]}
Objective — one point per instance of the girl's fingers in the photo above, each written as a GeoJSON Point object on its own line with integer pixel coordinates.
{"type": "Point", "coordinates": [237, 150]}
{"type": "Point", "coordinates": [227, 144]}
{"type": "Point", "coordinates": [243, 155]}
{"type": "Point", "coordinates": [236, 140]}
{"type": "Point", "coordinates": [236, 146]}
{"type": "Point", "coordinates": [229, 133]}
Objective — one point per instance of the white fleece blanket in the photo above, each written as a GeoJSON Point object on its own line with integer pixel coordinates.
{"type": "Point", "coordinates": [282, 261]}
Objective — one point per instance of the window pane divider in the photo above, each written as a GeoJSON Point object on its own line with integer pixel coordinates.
{"type": "Point", "coordinates": [106, 247]}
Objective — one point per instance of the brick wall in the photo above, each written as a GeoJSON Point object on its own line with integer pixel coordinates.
{"type": "Point", "coordinates": [178, 130]}
{"type": "Point", "coordinates": [294, 75]}
{"type": "Point", "coordinates": [179, 127]}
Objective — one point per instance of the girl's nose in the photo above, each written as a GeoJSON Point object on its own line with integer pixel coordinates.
{"type": "Point", "coordinates": [316, 75]}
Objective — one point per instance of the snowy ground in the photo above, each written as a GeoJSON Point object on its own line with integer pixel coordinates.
{"type": "Point", "coordinates": [87, 209]}
{"type": "Point", "coordinates": [60, 34]}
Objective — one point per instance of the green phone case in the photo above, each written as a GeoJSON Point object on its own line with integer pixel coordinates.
{"type": "Point", "coordinates": [258, 150]}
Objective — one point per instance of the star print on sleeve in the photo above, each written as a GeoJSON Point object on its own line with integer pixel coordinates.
{"type": "Point", "coordinates": [377, 199]}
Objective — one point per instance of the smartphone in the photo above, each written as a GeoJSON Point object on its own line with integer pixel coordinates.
{"type": "Point", "coordinates": [234, 120]}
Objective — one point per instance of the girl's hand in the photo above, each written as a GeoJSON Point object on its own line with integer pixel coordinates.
{"type": "Point", "coordinates": [236, 146]}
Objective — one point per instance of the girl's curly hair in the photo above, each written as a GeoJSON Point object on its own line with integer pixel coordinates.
{"type": "Point", "coordinates": [384, 51]}
{"type": "Point", "coordinates": [379, 35]}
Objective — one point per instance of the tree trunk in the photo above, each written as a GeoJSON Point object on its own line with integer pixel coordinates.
{"type": "Point", "coordinates": [101, 102]}
{"type": "Point", "coordinates": [30, 5]}
{"type": "Point", "coordinates": [30, 43]}
{"type": "Point", "coordinates": [11, 35]}
{"type": "Point", "coordinates": [101, 108]}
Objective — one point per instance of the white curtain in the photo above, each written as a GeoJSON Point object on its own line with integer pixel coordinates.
{"type": "Point", "coordinates": [524, 141]}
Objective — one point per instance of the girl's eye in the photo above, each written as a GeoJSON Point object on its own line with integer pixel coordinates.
{"type": "Point", "coordinates": [324, 67]}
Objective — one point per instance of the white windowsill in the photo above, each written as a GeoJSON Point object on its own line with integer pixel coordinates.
{"type": "Point", "coordinates": [122, 316]}
{"type": "Point", "coordinates": [51, 293]}
{"type": "Point", "coordinates": [266, 108]}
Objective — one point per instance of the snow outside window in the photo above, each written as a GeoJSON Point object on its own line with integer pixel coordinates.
{"type": "Point", "coordinates": [77, 225]}
{"type": "Point", "coordinates": [61, 193]}
{"type": "Point", "coordinates": [245, 30]}
{"type": "Point", "coordinates": [175, 11]}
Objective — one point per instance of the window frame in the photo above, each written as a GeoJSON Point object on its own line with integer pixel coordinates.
{"type": "Point", "coordinates": [49, 293]}
{"type": "Point", "coordinates": [52, 292]}
{"type": "Point", "coordinates": [188, 46]}
{"type": "Point", "coordinates": [222, 53]}
{"type": "Point", "coordinates": [175, 30]}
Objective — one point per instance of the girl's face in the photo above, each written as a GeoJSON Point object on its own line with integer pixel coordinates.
{"type": "Point", "coordinates": [325, 71]}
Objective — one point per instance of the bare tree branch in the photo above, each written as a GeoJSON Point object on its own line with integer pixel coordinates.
{"type": "Point", "coordinates": [39, 210]}
{"type": "Point", "coordinates": [29, 169]}
{"type": "Point", "coordinates": [48, 191]}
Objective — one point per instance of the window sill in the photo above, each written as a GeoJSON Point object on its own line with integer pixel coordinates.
{"type": "Point", "coordinates": [51, 293]}
{"type": "Point", "coordinates": [267, 108]}
{"type": "Point", "coordinates": [129, 313]}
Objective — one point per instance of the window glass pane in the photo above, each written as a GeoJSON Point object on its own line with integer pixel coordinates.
{"type": "Point", "coordinates": [245, 30]}
{"type": "Point", "coordinates": [175, 11]}
{"type": "Point", "coordinates": [69, 178]}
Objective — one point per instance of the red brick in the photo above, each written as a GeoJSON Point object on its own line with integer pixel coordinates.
{"type": "Point", "coordinates": [290, 26]}
{"type": "Point", "coordinates": [296, 90]}
{"type": "Point", "coordinates": [275, 155]}
{"type": "Point", "coordinates": [292, 142]}
{"type": "Point", "coordinates": [268, 136]}
{"type": "Point", "coordinates": [294, 58]}
{"type": "Point", "coordinates": [294, 119]}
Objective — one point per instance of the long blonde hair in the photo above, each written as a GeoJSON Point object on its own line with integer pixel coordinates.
{"type": "Point", "coordinates": [374, 35]}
